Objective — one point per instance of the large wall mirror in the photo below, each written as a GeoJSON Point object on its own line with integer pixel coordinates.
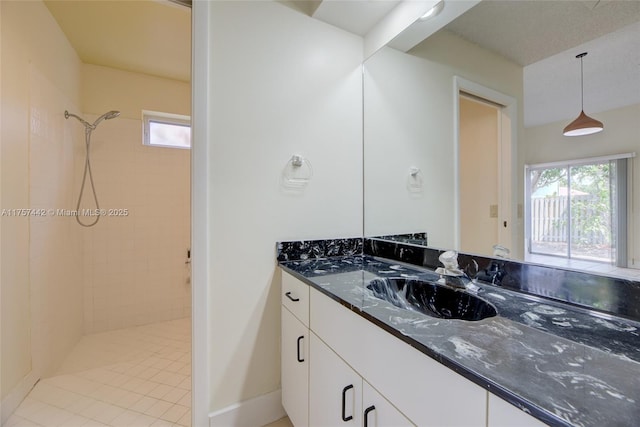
{"type": "Point", "coordinates": [463, 133]}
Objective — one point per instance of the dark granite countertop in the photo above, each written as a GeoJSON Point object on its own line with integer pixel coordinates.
{"type": "Point", "coordinates": [564, 365]}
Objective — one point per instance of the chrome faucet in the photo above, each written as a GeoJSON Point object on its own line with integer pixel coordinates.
{"type": "Point", "coordinates": [451, 274]}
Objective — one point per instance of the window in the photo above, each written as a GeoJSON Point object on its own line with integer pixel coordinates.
{"type": "Point", "coordinates": [578, 209]}
{"type": "Point", "coordinates": [166, 130]}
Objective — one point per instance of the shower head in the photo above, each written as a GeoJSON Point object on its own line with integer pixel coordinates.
{"type": "Point", "coordinates": [106, 116]}
{"type": "Point", "coordinates": [88, 126]}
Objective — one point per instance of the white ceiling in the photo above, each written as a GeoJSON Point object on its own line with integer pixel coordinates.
{"type": "Point", "coordinates": [611, 79]}
{"type": "Point", "coordinates": [357, 17]}
{"type": "Point", "coordinates": [527, 31]}
{"type": "Point", "coordinates": [544, 37]}
{"type": "Point", "coordinates": [150, 37]}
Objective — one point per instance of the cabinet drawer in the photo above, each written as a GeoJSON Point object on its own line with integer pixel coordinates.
{"type": "Point", "coordinates": [295, 296]}
{"type": "Point", "coordinates": [337, 326]}
{"type": "Point", "coordinates": [427, 392]}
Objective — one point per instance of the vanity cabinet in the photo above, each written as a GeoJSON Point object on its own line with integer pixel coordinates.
{"type": "Point", "coordinates": [503, 414]}
{"type": "Point", "coordinates": [295, 350]}
{"type": "Point", "coordinates": [351, 367]}
{"type": "Point", "coordinates": [340, 397]}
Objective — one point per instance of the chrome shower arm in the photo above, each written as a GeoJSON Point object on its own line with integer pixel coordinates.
{"type": "Point", "coordinates": [81, 120]}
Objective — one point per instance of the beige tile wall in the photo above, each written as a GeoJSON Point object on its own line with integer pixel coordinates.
{"type": "Point", "coordinates": [41, 294]}
{"type": "Point", "coordinates": [55, 245]}
{"type": "Point", "coordinates": [134, 265]}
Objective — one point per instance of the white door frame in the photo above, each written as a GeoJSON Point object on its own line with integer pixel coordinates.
{"type": "Point", "coordinates": [200, 214]}
{"type": "Point", "coordinates": [507, 159]}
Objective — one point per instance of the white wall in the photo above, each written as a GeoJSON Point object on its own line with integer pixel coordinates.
{"type": "Point", "coordinates": [621, 135]}
{"type": "Point", "coordinates": [409, 116]}
{"type": "Point", "coordinates": [281, 83]}
{"type": "Point", "coordinates": [41, 262]}
{"type": "Point", "coordinates": [134, 266]}
{"type": "Point", "coordinates": [404, 97]}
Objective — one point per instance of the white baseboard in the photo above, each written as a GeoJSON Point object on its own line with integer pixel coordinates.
{"type": "Point", "coordinates": [15, 397]}
{"type": "Point", "coordinates": [255, 412]}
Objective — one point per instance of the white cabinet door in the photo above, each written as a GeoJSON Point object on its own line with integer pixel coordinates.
{"type": "Point", "coordinates": [503, 414]}
{"type": "Point", "coordinates": [295, 369]}
{"type": "Point", "coordinates": [335, 390]}
{"type": "Point", "coordinates": [378, 412]}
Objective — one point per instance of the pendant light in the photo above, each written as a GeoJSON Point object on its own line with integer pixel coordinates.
{"type": "Point", "coordinates": [583, 125]}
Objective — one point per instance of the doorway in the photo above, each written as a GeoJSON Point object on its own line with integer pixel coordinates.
{"type": "Point", "coordinates": [479, 180]}
{"type": "Point", "coordinates": [485, 212]}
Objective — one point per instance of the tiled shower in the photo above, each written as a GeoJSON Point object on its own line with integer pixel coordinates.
{"type": "Point", "coordinates": [135, 263]}
{"type": "Point", "coordinates": [122, 286]}
{"type": "Point", "coordinates": [97, 318]}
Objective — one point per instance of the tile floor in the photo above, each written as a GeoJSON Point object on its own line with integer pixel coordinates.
{"type": "Point", "coordinates": [135, 377]}
{"type": "Point", "coordinates": [282, 422]}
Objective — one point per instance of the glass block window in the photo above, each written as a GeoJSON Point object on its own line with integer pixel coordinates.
{"type": "Point", "coordinates": [166, 130]}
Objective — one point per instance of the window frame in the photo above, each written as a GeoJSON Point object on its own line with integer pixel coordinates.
{"type": "Point", "coordinates": [622, 202]}
{"type": "Point", "coordinates": [149, 116]}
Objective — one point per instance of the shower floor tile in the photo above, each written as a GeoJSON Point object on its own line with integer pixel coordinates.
{"type": "Point", "coordinates": [134, 377]}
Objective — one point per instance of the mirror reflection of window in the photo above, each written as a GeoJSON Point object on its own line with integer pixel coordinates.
{"type": "Point", "coordinates": [577, 211]}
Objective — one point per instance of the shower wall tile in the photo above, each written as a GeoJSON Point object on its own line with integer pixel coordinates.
{"type": "Point", "coordinates": [55, 242]}
{"type": "Point", "coordinates": [134, 266]}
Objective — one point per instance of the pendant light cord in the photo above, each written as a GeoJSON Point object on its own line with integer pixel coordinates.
{"type": "Point", "coordinates": [582, 55]}
{"type": "Point", "coordinates": [581, 85]}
